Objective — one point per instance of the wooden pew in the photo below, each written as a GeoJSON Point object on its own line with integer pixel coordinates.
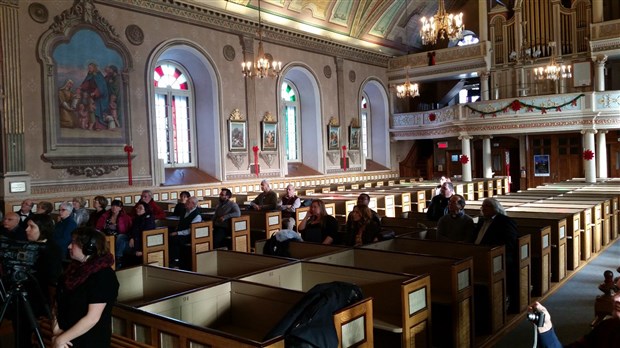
{"type": "Point", "coordinates": [263, 223]}
{"type": "Point", "coordinates": [217, 316]}
{"type": "Point", "coordinates": [304, 250]}
{"type": "Point", "coordinates": [155, 247]}
{"type": "Point", "coordinates": [110, 242]}
{"type": "Point", "coordinates": [540, 257]}
{"type": "Point", "coordinates": [144, 284]}
{"type": "Point", "coordinates": [489, 275]}
{"type": "Point", "coordinates": [451, 294]}
{"type": "Point", "coordinates": [201, 234]}
{"type": "Point", "coordinates": [401, 302]}
{"type": "Point", "coordinates": [232, 264]}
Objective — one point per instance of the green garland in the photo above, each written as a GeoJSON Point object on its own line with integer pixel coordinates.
{"type": "Point", "coordinates": [516, 105]}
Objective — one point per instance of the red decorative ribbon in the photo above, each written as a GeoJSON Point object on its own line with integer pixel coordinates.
{"type": "Point", "coordinates": [255, 149]}
{"type": "Point", "coordinates": [464, 159]}
{"type": "Point", "coordinates": [344, 157]}
{"type": "Point", "coordinates": [129, 150]}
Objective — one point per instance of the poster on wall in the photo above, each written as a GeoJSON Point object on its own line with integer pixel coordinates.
{"type": "Point", "coordinates": [541, 165]}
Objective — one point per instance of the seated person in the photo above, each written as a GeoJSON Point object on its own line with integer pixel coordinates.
{"type": "Point", "coordinates": [182, 236]}
{"type": "Point", "coordinates": [288, 203]}
{"type": "Point", "coordinates": [456, 225]}
{"type": "Point", "coordinates": [142, 221]}
{"type": "Point", "coordinates": [12, 228]}
{"type": "Point", "coordinates": [116, 222]}
{"type": "Point", "coordinates": [225, 210]}
{"type": "Point", "coordinates": [439, 204]}
{"type": "Point", "coordinates": [99, 203]}
{"type": "Point", "coordinates": [147, 197]}
{"type": "Point", "coordinates": [317, 226]}
{"type": "Point", "coordinates": [25, 212]}
{"type": "Point", "coordinates": [361, 228]}
{"type": "Point", "coordinates": [45, 208]}
{"type": "Point", "coordinates": [179, 209]}
{"type": "Point", "coordinates": [64, 227]}
{"type": "Point", "coordinates": [80, 214]}
{"type": "Point", "coordinates": [364, 199]}
{"type": "Point", "coordinates": [266, 200]}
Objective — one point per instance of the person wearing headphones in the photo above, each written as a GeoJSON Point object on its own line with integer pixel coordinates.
{"type": "Point", "coordinates": [86, 293]}
{"type": "Point", "coordinates": [456, 225]}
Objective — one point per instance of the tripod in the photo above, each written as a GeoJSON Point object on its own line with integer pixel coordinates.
{"type": "Point", "coordinates": [18, 296]}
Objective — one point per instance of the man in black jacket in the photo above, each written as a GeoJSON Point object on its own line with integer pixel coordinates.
{"type": "Point", "coordinates": [439, 203]}
{"type": "Point", "coordinates": [182, 234]}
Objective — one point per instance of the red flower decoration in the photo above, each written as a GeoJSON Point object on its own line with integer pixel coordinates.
{"type": "Point", "coordinates": [515, 106]}
{"type": "Point", "coordinates": [543, 111]}
{"type": "Point", "coordinates": [255, 148]}
{"type": "Point", "coordinates": [558, 109]}
{"type": "Point", "coordinates": [432, 117]}
{"type": "Point", "coordinates": [464, 159]}
{"type": "Point", "coordinates": [574, 102]}
{"type": "Point", "coordinates": [588, 155]}
{"type": "Point", "coordinates": [128, 148]}
{"type": "Point", "coordinates": [530, 109]}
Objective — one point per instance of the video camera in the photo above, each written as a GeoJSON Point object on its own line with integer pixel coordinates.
{"type": "Point", "coordinates": [536, 317]}
{"type": "Point", "coordinates": [18, 257]}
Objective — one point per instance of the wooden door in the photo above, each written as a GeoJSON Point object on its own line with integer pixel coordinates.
{"type": "Point", "coordinates": [453, 163]}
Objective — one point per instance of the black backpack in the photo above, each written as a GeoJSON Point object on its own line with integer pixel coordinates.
{"type": "Point", "coordinates": [276, 248]}
{"type": "Point", "coordinates": [309, 323]}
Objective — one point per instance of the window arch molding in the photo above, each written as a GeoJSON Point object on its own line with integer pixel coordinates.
{"type": "Point", "coordinates": [207, 86]}
{"type": "Point", "coordinates": [312, 144]}
{"type": "Point", "coordinates": [377, 95]}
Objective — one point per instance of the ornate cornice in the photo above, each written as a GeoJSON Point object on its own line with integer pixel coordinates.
{"type": "Point", "coordinates": [199, 15]}
{"type": "Point", "coordinates": [82, 11]}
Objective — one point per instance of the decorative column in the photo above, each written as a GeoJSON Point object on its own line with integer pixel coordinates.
{"type": "Point", "coordinates": [247, 47]}
{"type": "Point", "coordinates": [466, 157]}
{"type": "Point", "coordinates": [484, 85]}
{"type": "Point", "coordinates": [483, 21]}
{"type": "Point", "coordinates": [487, 168]}
{"type": "Point", "coordinates": [597, 11]}
{"type": "Point", "coordinates": [601, 154]}
{"type": "Point", "coordinates": [15, 180]}
{"type": "Point", "coordinates": [588, 155]}
{"type": "Point", "coordinates": [599, 72]}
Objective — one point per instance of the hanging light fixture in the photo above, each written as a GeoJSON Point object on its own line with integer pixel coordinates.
{"type": "Point", "coordinates": [447, 25]}
{"type": "Point", "coordinates": [554, 71]}
{"type": "Point", "coordinates": [264, 65]}
{"type": "Point", "coordinates": [407, 89]}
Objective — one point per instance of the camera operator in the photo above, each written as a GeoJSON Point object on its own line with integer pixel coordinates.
{"type": "Point", "coordinates": [605, 334]}
{"type": "Point", "coordinates": [47, 269]}
{"type": "Point", "coordinates": [86, 293]}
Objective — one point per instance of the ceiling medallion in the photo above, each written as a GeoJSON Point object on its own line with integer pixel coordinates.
{"type": "Point", "coordinates": [229, 53]}
{"type": "Point", "coordinates": [38, 12]}
{"type": "Point", "coordinates": [134, 34]}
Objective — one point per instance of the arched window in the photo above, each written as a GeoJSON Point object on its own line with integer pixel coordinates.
{"type": "Point", "coordinates": [292, 121]}
{"type": "Point", "coordinates": [174, 116]}
{"type": "Point", "coordinates": [365, 125]}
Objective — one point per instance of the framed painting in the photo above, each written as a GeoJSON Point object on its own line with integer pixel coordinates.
{"type": "Point", "coordinates": [333, 137]}
{"type": "Point", "coordinates": [269, 135]}
{"type": "Point", "coordinates": [354, 137]}
{"type": "Point", "coordinates": [237, 138]}
{"type": "Point", "coordinates": [541, 165]}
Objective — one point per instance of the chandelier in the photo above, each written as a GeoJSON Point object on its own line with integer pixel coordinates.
{"type": "Point", "coordinates": [554, 71]}
{"type": "Point", "coordinates": [264, 65]}
{"type": "Point", "coordinates": [407, 89]}
{"type": "Point", "coordinates": [447, 25]}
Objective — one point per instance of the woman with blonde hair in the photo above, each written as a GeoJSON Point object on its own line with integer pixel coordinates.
{"type": "Point", "coordinates": [361, 228]}
{"type": "Point", "coordinates": [80, 214]}
{"type": "Point", "coordinates": [317, 226]}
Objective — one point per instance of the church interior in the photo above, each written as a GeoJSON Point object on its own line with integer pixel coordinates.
{"type": "Point", "coordinates": [514, 99]}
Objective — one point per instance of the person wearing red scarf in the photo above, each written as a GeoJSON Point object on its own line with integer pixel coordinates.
{"type": "Point", "coordinates": [86, 293]}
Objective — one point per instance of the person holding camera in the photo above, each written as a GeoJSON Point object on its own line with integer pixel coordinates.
{"type": "Point", "coordinates": [605, 334]}
{"type": "Point", "coordinates": [45, 273]}
{"type": "Point", "coordinates": [86, 293]}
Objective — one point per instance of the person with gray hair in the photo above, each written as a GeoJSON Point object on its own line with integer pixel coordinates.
{"type": "Point", "coordinates": [80, 214]}
{"type": "Point", "coordinates": [182, 234]}
{"type": "Point", "coordinates": [456, 225]}
{"type": "Point", "coordinates": [495, 228]}
{"type": "Point", "coordinates": [266, 200]}
{"type": "Point", "coordinates": [288, 203]}
{"type": "Point", "coordinates": [64, 227]}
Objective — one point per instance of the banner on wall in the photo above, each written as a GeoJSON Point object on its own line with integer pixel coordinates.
{"type": "Point", "coordinates": [541, 165]}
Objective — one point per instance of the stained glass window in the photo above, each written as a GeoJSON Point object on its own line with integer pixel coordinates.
{"type": "Point", "coordinates": [174, 116]}
{"type": "Point", "coordinates": [292, 122]}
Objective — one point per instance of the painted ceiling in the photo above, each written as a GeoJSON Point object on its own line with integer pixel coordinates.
{"type": "Point", "coordinates": [379, 25]}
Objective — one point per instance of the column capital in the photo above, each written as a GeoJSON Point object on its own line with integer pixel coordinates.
{"type": "Point", "coordinates": [485, 137]}
{"type": "Point", "coordinates": [600, 59]}
{"type": "Point", "coordinates": [602, 132]}
{"type": "Point", "coordinates": [588, 131]}
{"type": "Point", "coordinates": [465, 137]}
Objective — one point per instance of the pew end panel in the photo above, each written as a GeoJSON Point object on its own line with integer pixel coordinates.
{"type": "Point", "coordinates": [201, 240]}
{"type": "Point", "coordinates": [155, 247]}
{"type": "Point", "coordinates": [240, 227]}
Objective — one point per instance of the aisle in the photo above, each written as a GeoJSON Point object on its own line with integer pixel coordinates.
{"type": "Point", "coordinates": [571, 306]}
